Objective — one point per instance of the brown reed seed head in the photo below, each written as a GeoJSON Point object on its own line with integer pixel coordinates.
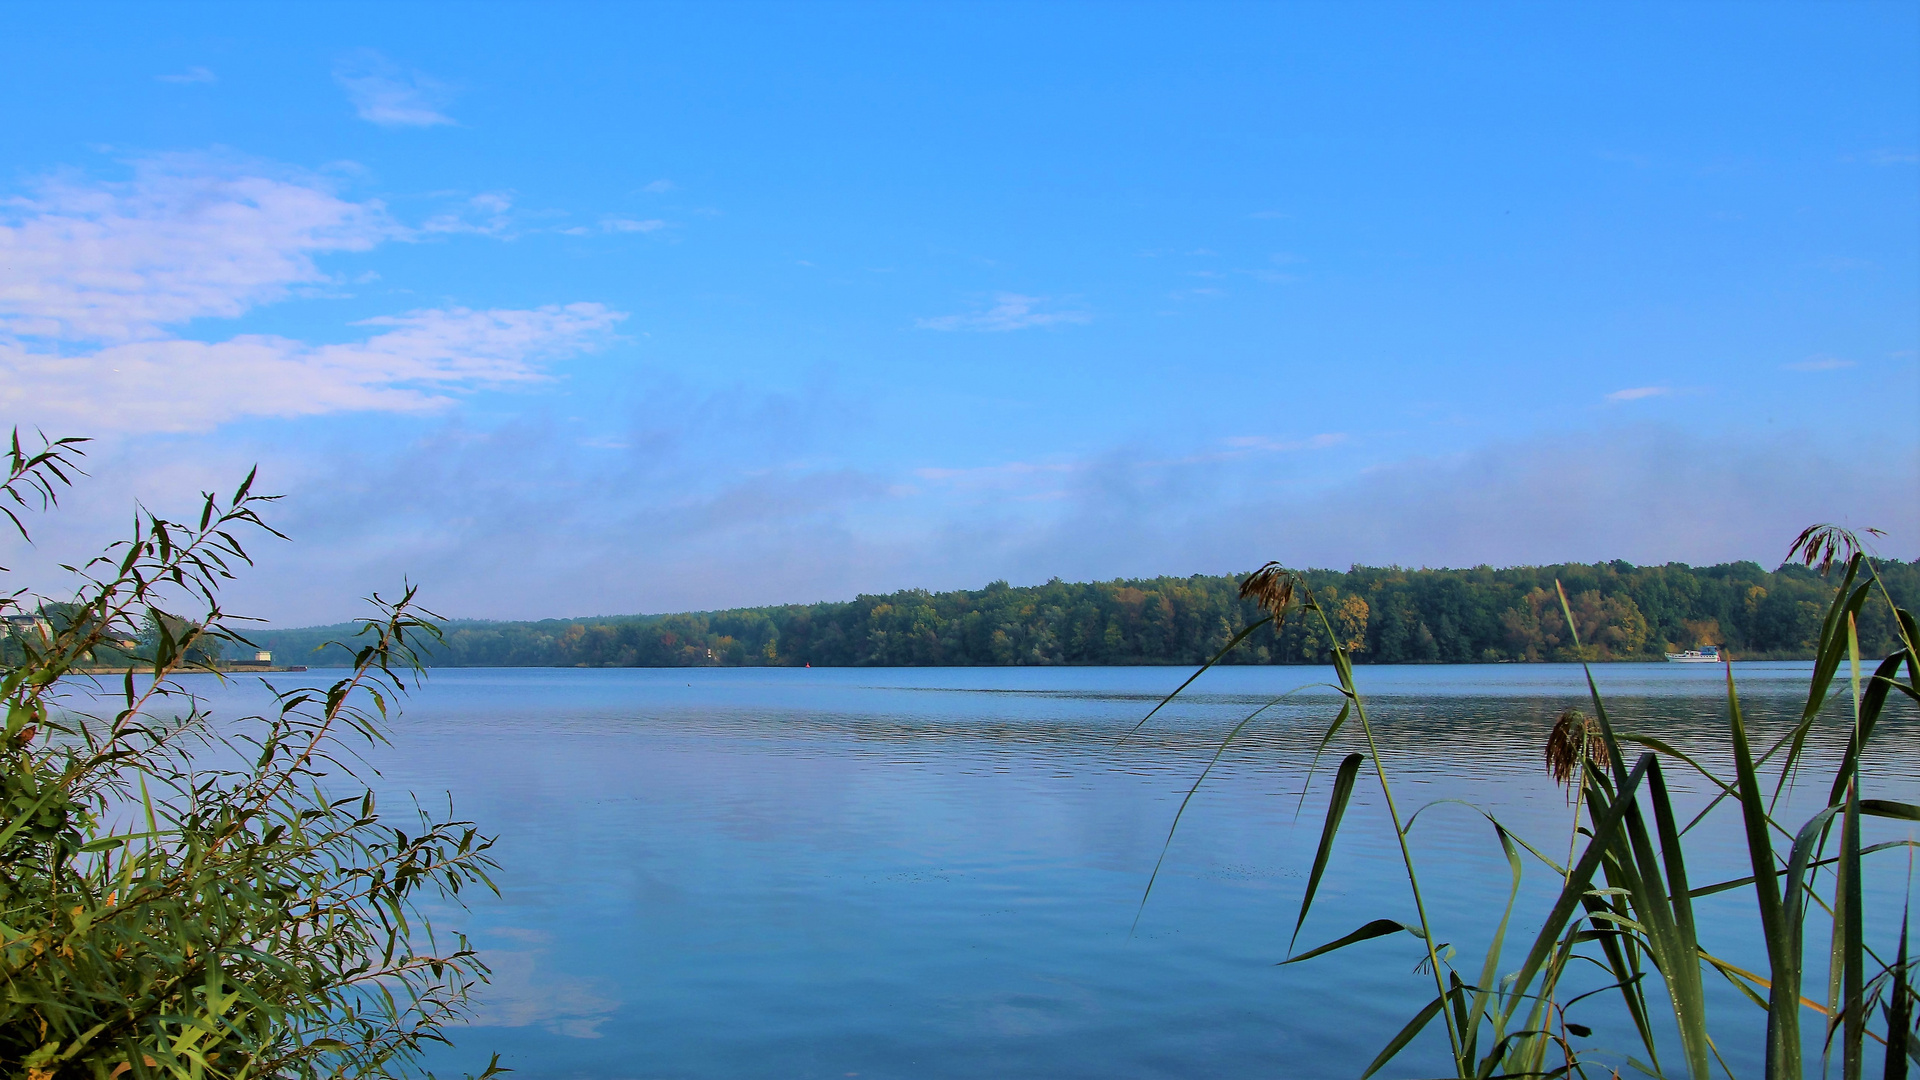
{"type": "Point", "coordinates": [1570, 733]}
{"type": "Point", "coordinates": [1825, 544]}
{"type": "Point", "coordinates": [1272, 585]}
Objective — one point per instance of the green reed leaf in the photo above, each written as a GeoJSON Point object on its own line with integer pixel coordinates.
{"type": "Point", "coordinates": [1374, 929]}
{"type": "Point", "coordinates": [1677, 963]}
{"type": "Point", "coordinates": [1574, 889]}
{"type": "Point", "coordinates": [1224, 650]}
{"type": "Point", "coordinates": [1188, 797]}
{"type": "Point", "coordinates": [1343, 779]}
{"type": "Point", "coordinates": [1339, 721]}
{"type": "Point", "coordinates": [1399, 1042]}
{"type": "Point", "coordinates": [1899, 1008]}
{"type": "Point", "coordinates": [1851, 914]}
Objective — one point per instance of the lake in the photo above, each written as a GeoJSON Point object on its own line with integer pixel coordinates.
{"type": "Point", "coordinates": [936, 872]}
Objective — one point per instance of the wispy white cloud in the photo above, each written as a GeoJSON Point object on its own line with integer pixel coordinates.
{"type": "Point", "coordinates": [1625, 157]}
{"type": "Point", "coordinates": [1887, 156]}
{"type": "Point", "coordinates": [1010, 311]}
{"type": "Point", "coordinates": [384, 93]}
{"type": "Point", "coordinates": [614, 224]}
{"type": "Point", "coordinates": [416, 363]}
{"type": "Point", "coordinates": [188, 237]}
{"type": "Point", "coordinates": [1636, 393]}
{"type": "Point", "coordinates": [1264, 442]}
{"type": "Point", "coordinates": [95, 280]}
{"type": "Point", "coordinates": [659, 187]}
{"type": "Point", "coordinates": [994, 473]}
{"type": "Point", "coordinates": [191, 75]}
{"type": "Point", "coordinates": [1024, 474]}
{"type": "Point", "coordinates": [1818, 363]}
{"type": "Point", "coordinates": [627, 225]}
{"type": "Point", "coordinates": [489, 213]}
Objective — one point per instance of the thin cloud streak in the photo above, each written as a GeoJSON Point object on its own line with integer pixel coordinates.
{"type": "Point", "coordinates": [1014, 473]}
{"type": "Point", "coordinates": [489, 213]}
{"type": "Point", "coordinates": [383, 93]}
{"type": "Point", "coordinates": [1010, 311]}
{"type": "Point", "coordinates": [180, 385]}
{"type": "Point", "coordinates": [1267, 443]}
{"type": "Point", "coordinates": [629, 225]}
{"type": "Point", "coordinates": [1639, 393]}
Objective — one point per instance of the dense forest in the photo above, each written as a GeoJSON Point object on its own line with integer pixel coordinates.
{"type": "Point", "coordinates": [1385, 615]}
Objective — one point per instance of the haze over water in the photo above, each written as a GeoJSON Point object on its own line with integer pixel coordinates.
{"type": "Point", "coordinates": [933, 872]}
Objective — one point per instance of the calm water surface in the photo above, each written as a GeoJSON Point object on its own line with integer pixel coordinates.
{"type": "Point", "coordinates": [936, 872]}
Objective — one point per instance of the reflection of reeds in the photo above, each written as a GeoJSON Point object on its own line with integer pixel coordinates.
{"type": "Point", "coordinates": [1625, 902]}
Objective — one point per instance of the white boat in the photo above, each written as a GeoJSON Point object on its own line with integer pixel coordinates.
{"type": "Point", "coordinates": [1707, 655]}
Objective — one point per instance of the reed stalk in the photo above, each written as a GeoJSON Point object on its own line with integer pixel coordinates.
{"type": "Point", "coordinates": [1625, 902]}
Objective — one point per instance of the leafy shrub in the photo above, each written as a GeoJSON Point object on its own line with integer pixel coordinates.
{"type": "Point", "coordinates": [187, 898]}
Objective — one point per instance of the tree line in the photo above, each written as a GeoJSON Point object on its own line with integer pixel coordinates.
{"type": "Point", "coordinates": [1382, 614]}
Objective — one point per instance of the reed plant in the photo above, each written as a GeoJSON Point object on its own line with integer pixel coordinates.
{"type": "Point", "coordinates": [1625, 905]}
{"type": "Point", "coordinates": [202, 899]}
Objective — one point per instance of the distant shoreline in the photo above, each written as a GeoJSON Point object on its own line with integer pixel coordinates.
{"type": "Point", "coordinates": [1380, 615]}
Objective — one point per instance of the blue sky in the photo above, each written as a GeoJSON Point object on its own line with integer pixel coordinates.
{"type": "Point", "coordinates": [576, 309]}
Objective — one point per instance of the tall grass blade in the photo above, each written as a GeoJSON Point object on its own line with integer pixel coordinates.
{"type": "Point", "coordinates": [1374, 929]}
{"type": "Point", "coordinates": [1188, 798]}
{"type": "Point", "coordinates": [1899, 1010]}
{"type": "Point", "coordinates": [1847, 600]}
{"type": "Point", "coordinates": [1224, 650]}
{"type": "Point", "coordinates": [1871, 701]}
{"type": "Point", "coordinates": [1399, 1042]}
{"type": "Point", "coordinates": [1783, 1008]}
{"type": "Point", "coordinates": [1343, 666]}
{"type": "Point", "coordinates": [1336, 809]}
{"type": "Point", "coordinates": [1854, 1013]}
{"type": "Point", "coordinates": [1622, 962]}
{"type": "Point", "coordinates": [1828, 654]}
{"type": "Point", "coordinates": [1490, 968]}
{"type": "Point", "coordinates": [1616, 759]}
{"type": "Point", "coordinates": [1621, 865]}
{"type": "Point", "coordinates": [1851, 913]}
{"type": "Point", "coordinates": [1606, 827]}
{"type": "Point", "coordinates": [1680, 968]}
{"type": "Point", "coordinates": [1339, 721]}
